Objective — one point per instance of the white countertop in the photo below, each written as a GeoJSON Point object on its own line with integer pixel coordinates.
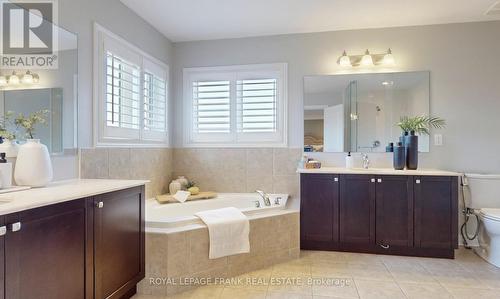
{"type": "Point", "coordinates": [61, 191]}
{"type": "Point", "coordinates": [380, 171]}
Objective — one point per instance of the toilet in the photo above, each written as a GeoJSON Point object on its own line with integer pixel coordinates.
{"type": "Point", "coordinates": [485, 200]}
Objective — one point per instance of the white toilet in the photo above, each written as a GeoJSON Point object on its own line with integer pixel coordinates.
{"type": "Point", "coordinates": [485, 200]}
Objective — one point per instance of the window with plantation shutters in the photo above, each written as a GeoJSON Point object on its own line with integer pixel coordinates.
{"type": "Point", "coordinates": [257, 104]}
{"type": "Point", "coordinates": [122, 92]}
{"type": "Point", "coordinates": [131, 94]}
{"type": "Point", "coordinates": [211, 107]}
{"type": "Point", "coordinates": [235, 105]}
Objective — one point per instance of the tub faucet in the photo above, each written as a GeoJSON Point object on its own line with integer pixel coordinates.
{"type": "Point", "coordinates": [366, 161]}
{"type": "Point", "coordinates": [265, 197]}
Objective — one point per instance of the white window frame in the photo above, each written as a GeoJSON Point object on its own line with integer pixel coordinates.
{"type": "Point", "coordinates": [105, 136]}
{"type": "Point", "coordinates": [233, 74]}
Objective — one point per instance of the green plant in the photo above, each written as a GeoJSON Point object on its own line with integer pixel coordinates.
{"type": "Point", "coordinates": [4, 123]}
{"type": "Point", "coordinates": [420, 124]}
{"type": "Point", "coordinates": [30, 122]}
{"type": "Point", "coordinates": [190, 184]}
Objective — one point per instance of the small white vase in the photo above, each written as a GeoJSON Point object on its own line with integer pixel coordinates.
{"type": "Point", "coordinates": [174, 186]}
{"type": "Point", "coordinates": [10, 148]}
{"type": "Point", "coordinates": [33, 165]}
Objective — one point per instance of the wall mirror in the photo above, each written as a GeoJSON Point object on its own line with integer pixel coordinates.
{"type": "Point", "coordinates": [359, 112]}
{"type": "Point", "coordinates": [54, 90]}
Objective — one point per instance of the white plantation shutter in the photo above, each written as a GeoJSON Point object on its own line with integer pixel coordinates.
{"type": "Point", "coordinates": [235, 105]}
{"type": "Point", "coordinates": [155, 102]}
{"type": "Point", "coordinates": [257, 105]}
{"type": "Point", "coordinates": [211, 107]}
{"type": "Point", "coordinates": [131, 93]}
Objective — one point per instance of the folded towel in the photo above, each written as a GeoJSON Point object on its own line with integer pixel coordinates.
{"type": "Point", "coordinates": [228, 230]}
{"type": "Point", "coordinates": [182, 196]}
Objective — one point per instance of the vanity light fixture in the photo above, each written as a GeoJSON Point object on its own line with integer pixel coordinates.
{"type": "Point", "coordinates": [344, 60]}
{"type": "Point", "coordinates": [367, 59]}
{"type": "Point", "coordinates": [13, 79]}
{"type": "Point", "coordinates": [28, 78]}
{"type": "Point", "coordinates": [389, 58]}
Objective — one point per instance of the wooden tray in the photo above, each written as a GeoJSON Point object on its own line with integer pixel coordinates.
{"type": "Point", "coordinates": [167, 198]}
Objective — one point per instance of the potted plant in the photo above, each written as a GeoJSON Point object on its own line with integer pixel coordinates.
{"type": "Point", "coordinates": [411, 126]}
{"type": "Point", "coordinates": [8, 131]}
{"type": "Point", "coordinates": [33, 166]}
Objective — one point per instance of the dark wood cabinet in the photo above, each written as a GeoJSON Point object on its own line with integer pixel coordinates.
{"type": "Point", "coordinates": [76, 249]}
{"type": "Point", "coordinates": [436, 212]}
{"type": "Point", "coordinates": [320, 210]}
{"type": "Point", "coordinates": [388, 214]}
{"type": "Point", "coordinates": [118, 242]}
{"type": "Point", "coordinates": [394, 211]}
{"type": "Point", "coordinates": [45, 252]}
{"type": "Point", "coordinates": [357, 209]}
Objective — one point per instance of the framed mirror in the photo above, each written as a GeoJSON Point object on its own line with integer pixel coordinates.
{"type": "Point", "coordinates": [359, 112]}
{"type": "Point", "coordinates": [51, 90]}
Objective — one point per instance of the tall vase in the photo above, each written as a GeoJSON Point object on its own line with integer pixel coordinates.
{"type": "Point", "coordinates": [10, 148]}
{"type": "Point", "coordinates": [33, 165]}
{"type": "Point", "coordinates": [411, 145]}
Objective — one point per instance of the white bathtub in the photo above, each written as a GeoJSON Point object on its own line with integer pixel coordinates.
{"type": "Point", "coordinates": [175, 215]}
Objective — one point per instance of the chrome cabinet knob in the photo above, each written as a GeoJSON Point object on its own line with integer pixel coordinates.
{"type": "Point", "coordinates": [379, 180]}
{"type": "Point", "coordinates": [99, 205]}
{"type": "Point", "coordinates": [384, 246]}
{"type": "Point", "coordinates": [3, 230]}
{"type": "Point", "coordinates": [335, 179]}
{"type": "Point", "coordinates": [373, 180]}
{"type": "Point", "coordinates": [417, 181]}
{"type": "Point", "coordinates": [15, 227]}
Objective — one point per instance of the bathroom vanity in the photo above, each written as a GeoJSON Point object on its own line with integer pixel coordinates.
{"type": "Point", "coordinates": [73, 239]}
{"type": "Point", "coordinates": [379, 211]}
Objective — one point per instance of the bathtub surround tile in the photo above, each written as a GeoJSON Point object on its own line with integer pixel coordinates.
{"type": "Point", "coordinates": [240, 169]}
{"type": "Point", "coordinates": [184, 255]}
{"type": "Point", "coordinates": [154, 164]}
{"type": "Point", "coordinates": [94, 163]}
{"type": "Point", "coordinates": [285, 160]}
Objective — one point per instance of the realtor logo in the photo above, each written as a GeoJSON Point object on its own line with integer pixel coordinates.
{"type": "Point", "coordinates": [29, 34]}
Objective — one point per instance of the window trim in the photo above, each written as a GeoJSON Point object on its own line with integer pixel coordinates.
{"type": "Point", "coordinates": [232, 140]}
{"type": "Point", "coordinates": [100, 139]}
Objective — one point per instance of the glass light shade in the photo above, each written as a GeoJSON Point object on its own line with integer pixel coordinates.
{"type": "Point", "coordinates": [36, 78]}
{"type": "Point", "coordinates": [389, 58]}
{"type": "Point", "coordinates": [13, 79]}
{"type": "Point", "coordinates": [367, 59]}
{"type": "Point", "coordinates": [344, 60]}
{"type": "Point", "coordinates": [27, 78]}
{"type": "Point", "coordinates": [3, 81]}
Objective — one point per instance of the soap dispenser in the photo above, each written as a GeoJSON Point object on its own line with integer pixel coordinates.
{"type": "Point", "coordinates": [349, 161]}
{"type": "Point", "coordinates": [5, 172]}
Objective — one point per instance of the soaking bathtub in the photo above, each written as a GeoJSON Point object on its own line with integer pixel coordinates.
{"type": "Point", "coordinates": [176, 215]}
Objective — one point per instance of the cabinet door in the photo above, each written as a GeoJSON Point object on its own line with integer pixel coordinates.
{"type": "Point", "coordinates": [3, 231]}
{"type": "Point", "coordinates": [118, 242]}
{"type": "Point", "coordinates": [319, 208]}
{"type": "Point", "coordinates": [357, 209]}
{"type": "Point", "coordinates": [394, 209]}
{"type": "Point", "coordinates": [436, 212]}
{"type": "Point", "coordinates": [45, 252]}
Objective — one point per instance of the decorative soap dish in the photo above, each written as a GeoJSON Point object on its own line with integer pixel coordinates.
{"type": "Point", "coordinates": [14, 189]}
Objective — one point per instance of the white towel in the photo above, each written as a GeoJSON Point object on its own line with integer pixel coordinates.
{"type": "Point", "coordinates": [228, 229]}
{"type": "Point", "coordinates": [181, 196]}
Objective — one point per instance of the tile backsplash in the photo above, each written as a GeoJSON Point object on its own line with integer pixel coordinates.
{"type": "Point", "coordinates": [272, 170]}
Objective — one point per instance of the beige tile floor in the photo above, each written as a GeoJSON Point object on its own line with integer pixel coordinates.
{"type": "Point", "coordinates": [323, 275]}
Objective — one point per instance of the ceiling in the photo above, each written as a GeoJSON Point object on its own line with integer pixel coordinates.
{"type": "Point", "coordinates": [188, 20]}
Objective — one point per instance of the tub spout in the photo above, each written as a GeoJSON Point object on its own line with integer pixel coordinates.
{"type": "Point", "coordinates": [265, 197]}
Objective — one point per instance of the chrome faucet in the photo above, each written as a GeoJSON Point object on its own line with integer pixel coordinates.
{"type": "Point", "coordinates": [366, 161]}
{"type": "Point", "coordinates": [265, 197]}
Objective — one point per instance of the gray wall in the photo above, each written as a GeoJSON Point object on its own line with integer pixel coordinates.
{"type": "Point", "coordinates": [462, 58]}
{"type": "Point", "coordinates": [79, 16]}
